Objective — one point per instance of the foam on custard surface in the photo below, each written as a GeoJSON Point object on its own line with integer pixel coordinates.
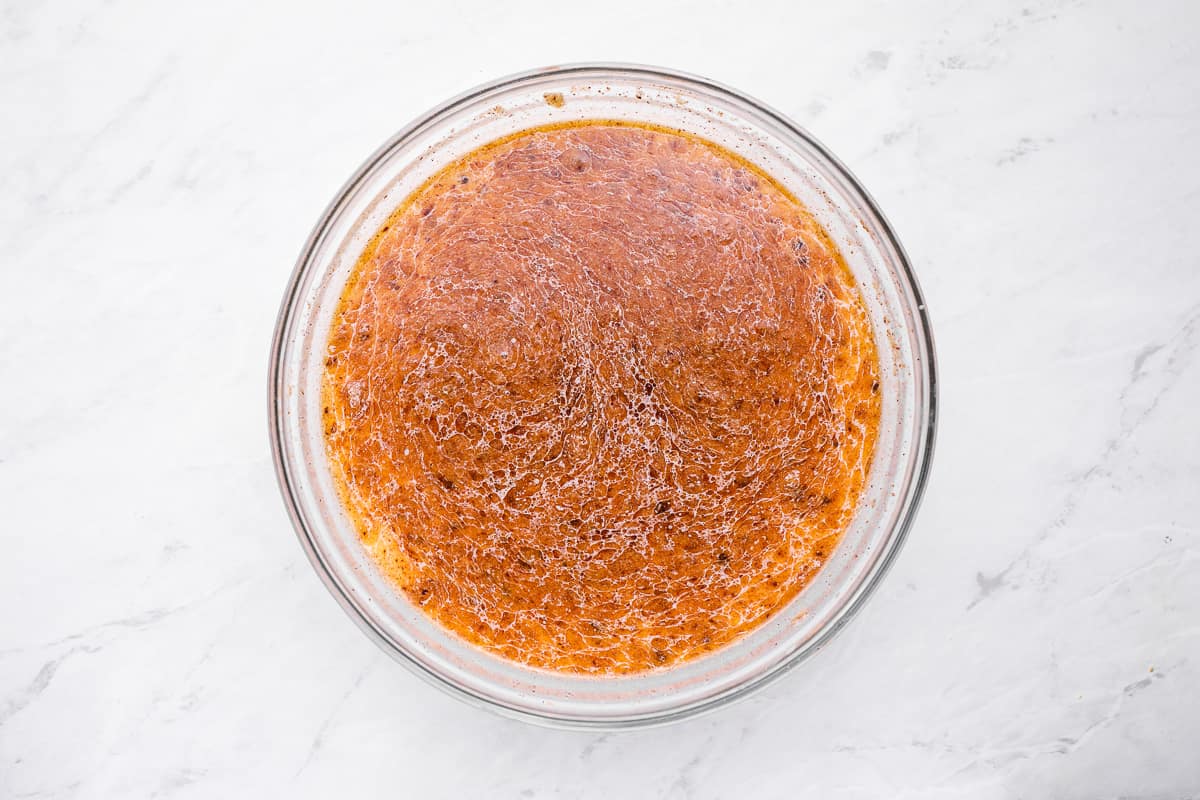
{"type": "Point", "coordinates": [600, 397]}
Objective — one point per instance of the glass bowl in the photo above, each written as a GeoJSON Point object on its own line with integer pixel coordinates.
{"type": "Point", "coordinates": [611, 92]}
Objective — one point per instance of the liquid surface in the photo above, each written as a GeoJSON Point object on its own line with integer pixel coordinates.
{"type": "Point", "coordinates": [601, 397]}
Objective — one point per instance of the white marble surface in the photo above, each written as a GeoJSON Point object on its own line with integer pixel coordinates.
{"type": "Point", "coordinates": [161, 634]}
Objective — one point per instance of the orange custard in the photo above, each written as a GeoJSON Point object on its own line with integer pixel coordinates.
{"type": "Point", "coordinates": [601, 397]}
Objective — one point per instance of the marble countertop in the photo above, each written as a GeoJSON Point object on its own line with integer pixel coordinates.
{"type": "Point", "coordinates": [161, 633]}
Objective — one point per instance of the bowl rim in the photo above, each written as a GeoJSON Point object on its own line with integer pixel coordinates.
{"type": "Point", "coordinates": [923, 445]}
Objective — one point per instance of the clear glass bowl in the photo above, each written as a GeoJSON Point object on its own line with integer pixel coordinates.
{"type": "Point", "coordinates": [616, 92]}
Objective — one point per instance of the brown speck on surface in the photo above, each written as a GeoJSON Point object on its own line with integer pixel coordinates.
{"type": "Point", "coordinates": [555, 99]}
{"type": "Point", "coordinates": [801, 250]}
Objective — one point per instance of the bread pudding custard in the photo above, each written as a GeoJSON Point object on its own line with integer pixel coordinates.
{"type": "Point", "coordinates": [600, 397]}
